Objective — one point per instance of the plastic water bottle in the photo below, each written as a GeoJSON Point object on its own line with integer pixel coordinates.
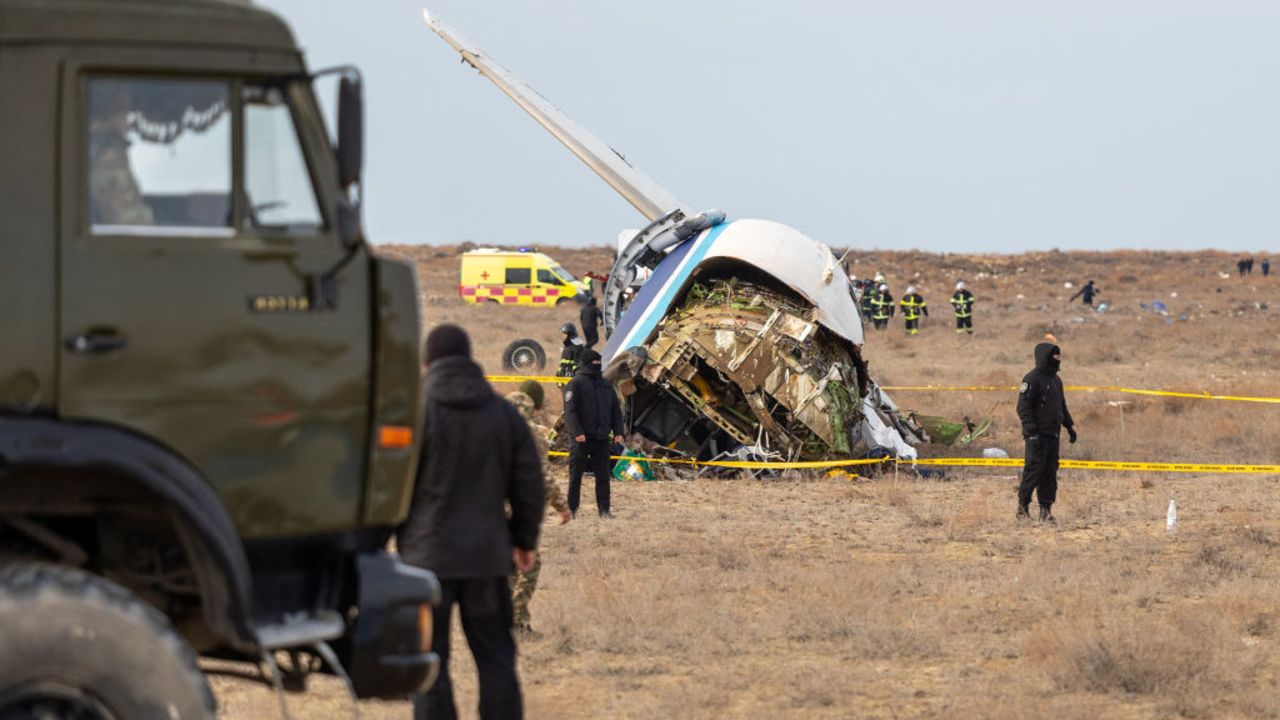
{"type": "Point", "coordinates": [1171, 519]}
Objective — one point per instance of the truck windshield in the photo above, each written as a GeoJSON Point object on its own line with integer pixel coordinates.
{"type": "Point", "coordinates": [563, 274]}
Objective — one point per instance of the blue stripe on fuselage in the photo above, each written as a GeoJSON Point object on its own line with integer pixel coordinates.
{"type": "Point", "coordinates": [683, 261]}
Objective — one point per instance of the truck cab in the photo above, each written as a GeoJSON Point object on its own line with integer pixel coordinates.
{"type": "Point", "coordinates": [209, 382]}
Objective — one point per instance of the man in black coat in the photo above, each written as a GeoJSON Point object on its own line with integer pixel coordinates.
{"type": "Point", "coordinates": [593, 416]}
{"type": "Point", "coordinates": [590, 317]}
{"type": "Point", "coordinates": [1086, 293]}
{"type": "Point", "coordinates": [477, 455]}
{"type": "Point", "coordinates": [1042, 408]}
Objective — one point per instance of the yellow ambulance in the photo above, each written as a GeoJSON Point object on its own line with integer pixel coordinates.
{"type": "Point", "coordinates": [515, 277]}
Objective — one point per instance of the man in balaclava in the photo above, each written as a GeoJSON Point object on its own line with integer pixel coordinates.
{"type": "Point", "coordinates": [593, 416]}
{"type": "Point", "coordinates": [1042, 408]}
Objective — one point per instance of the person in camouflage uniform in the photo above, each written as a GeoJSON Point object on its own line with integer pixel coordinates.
{"type": "Point", "coordinates": [114, 195]}
{"type": "Point", "coordinates": [524, 584]}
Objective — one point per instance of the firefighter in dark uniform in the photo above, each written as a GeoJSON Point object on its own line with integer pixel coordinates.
{"type": "Point", "coordinates": [1042, 408]}
{"type": "Point", "coordinates": [570, 350]}
{"type": "Point", "coordinates": [881, 307]}
{"type": "Point", "coordinates": [912, 308]}
{"type": "Point", "coordinates": [962, 303]}
{"type": "Point", "coordinates": [866, 292]}
{"type": "Point", "coordinates": [593, 417]}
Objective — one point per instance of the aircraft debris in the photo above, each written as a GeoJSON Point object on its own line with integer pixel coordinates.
{"type": "Point", "coordinates": [942, 431]}
{"type": "Point", "coordinates": [724, 337]}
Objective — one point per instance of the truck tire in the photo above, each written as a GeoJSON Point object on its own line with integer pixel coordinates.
{"type": "Point", "coordinates": [79, 647]}
{"type": "Point", "coordinates": [523, 355]}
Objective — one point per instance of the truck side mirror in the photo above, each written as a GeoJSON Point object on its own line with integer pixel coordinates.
{"type": "Point", "coordinates": [350, 130]}
{"type": "Point", "coordinates": [350, 157]}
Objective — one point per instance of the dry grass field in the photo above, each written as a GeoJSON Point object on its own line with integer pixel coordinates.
{"type": "Point", "coordinates": [900, 597]}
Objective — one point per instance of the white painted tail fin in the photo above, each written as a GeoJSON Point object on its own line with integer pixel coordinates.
{"type": "Point", "coordinates": [652, 200]}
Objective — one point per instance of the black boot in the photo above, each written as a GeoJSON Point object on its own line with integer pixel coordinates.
{"type": "Point", "coordinates": [1046, 515]}
{"type": "Point", "coordinates": [1024, 512]}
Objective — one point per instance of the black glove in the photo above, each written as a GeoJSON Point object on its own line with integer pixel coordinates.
{"type": "Point", "coordinates": [1071, 435]}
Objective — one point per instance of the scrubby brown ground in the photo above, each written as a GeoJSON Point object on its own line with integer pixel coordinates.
{"type": "Point", "coordinates": [900, 597]}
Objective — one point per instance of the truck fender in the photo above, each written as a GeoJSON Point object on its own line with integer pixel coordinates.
{"type": "Point", "coordinates": [43, 444]}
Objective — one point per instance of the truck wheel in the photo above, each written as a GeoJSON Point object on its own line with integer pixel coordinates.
{"type": "Point", "coordinates": [523, 355]}
{"type": "Point", "coordinates": [79, 647]}
{"type": "Point", "coordinates": [563, 300]}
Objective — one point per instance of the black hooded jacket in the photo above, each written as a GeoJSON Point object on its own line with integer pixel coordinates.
{"type": "Point", "coordinates": [1042, 405]}
{"type": "Point", "coordinates": [477, 454]}
{"type": "Point", "coordinates": [590, 316]}
{"type": "Point", "coordinates": [591, 406]}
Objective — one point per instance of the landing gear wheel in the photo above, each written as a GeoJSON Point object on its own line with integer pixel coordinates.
{"type": "Point", "coordinates": [79, 647]}
{"type": "Point", "coordinates": [521, 355]}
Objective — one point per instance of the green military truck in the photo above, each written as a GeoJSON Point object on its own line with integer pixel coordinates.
{"type": "Point", "coordinates": [209, 384]}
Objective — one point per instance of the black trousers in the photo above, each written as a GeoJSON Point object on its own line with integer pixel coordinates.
{"type": "Point", "coordinates": [592, 455]}
{"type": "Point", "coordinates": [963, 323]}
{"type": "Point", "coordinates": [485, 606]}
{"type": "Point", "coordinates": [1040, 471]}
{"type": "Point", "coordinates": [590, 336]}
{"type": "Point", "coordinates": [880, 323]}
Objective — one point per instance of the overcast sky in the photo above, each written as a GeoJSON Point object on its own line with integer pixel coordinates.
{"type": "Point", "coordinates": [957, 125]}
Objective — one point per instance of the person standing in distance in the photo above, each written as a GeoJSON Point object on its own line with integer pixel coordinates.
{"type": "Point", "coordinates": [1086, 293]}
{"type": "Point", "coordinates": [590, 318]}
{"type": "Point", "coordinates": [913, 307]}
{"type": "Point", "coordinates": [570, 350]}
{"type": "Point", "coordinates": [477, 456]}
{"type": "Point", "coordinates": [962, 303]}
{"type": "Point", "coordinates": [1042, 408]}
{"type": "Point", "coordinates": [593, 416]}
{"type": "Point", "coordinates": [882, 307]}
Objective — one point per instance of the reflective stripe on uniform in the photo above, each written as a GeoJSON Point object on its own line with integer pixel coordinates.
{"type": "Point", "coordinates": [911, 308]}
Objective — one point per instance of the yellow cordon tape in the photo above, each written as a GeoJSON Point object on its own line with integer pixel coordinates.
{"type": "Point", "coordinates": [522, 378]}
{"type": "Point", "coordinates": [959, 462]}
{"type": "Point", "coordinates": [1106, 465]}
{"type": "Point", "coordinates": [973, 388]}
{"type": "Point", "coordinates": [744, 464]}
{"type": "Point", "coordinates": [1091, 388]}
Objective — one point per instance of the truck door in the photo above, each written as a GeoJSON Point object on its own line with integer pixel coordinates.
{"type": "Point", "coordinates": [191, 227]}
